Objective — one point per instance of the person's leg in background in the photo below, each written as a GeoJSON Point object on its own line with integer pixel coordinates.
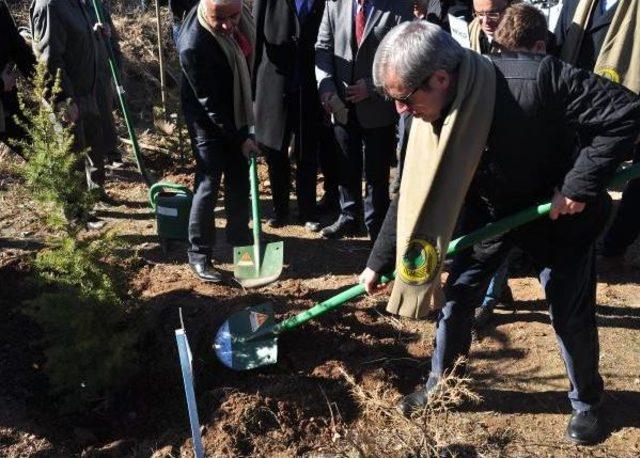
{"type": "Point", "coordinates": [236, 200]}
{"type": "Point", "coordinates": [279, 169]}
{"type": "Point", "coordinates": [350, 161]}
{"type": "Point", "coordinates": [379, 146]}
{"type": "Point", "coordinates": [404, 128]}
{"type": "Point", "coordinates": [306, 121]}
{"type": "Point", "coordinates": [328, 160]}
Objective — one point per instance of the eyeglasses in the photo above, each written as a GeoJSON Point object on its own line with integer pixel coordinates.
{"type": "Point", "coordinates": [489, 15]}
{"type": "Point", "coordinates": [406, 99]}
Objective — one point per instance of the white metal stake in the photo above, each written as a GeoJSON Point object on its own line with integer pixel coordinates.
{"type": "Point", "coordinates": [187, 376]}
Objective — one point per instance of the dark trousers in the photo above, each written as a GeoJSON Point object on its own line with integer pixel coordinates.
{"type": "Point", "coordinates": [13, 132]}
{"type": "Point", "coordinates": [404, 129]}
{"type": "Point", "coordinates": [328, 159]}
{"type": "Point", "coordinates": [370, 149]}
{"type": "Point", "coordinates": [626, 225]}
{"type": "Point", "coordinates": [302, 123]}
{"type": "Point", "coordinates": [563, 252]}
{"type": "Point", "coordinates": [214, 158]}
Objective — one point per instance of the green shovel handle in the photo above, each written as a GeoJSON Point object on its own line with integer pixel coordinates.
{"type": "Point", "coordinates": [123, 105]}
{"type": "Point", "coordinates": [255, 198]}
{"type": "Point", "coordinates": [157, 188]}
{"type": "Point", "coordinates": [455, 246]}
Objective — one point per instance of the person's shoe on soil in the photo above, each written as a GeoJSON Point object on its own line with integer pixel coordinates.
{"type": "Point", "coordinates": [417, 400]}
{"type": "Point", "coordinates": [341, 228]}
{"type": "Point", "coordinates": [312, 226]}
{"type": "Point", "coordinates": [205, 272]}
{"type": "Point", "coordinates": [483, 316]}
{"type": "Point", "coordinates": [278, 221]}
{"type": "Point", "coordinates": [95, 224]}
{"type": "Point", "coordinates": [506, 298]}
{"type": "Point", "coordinates": [114, 159]}
{"type": "Point", "coordinates": [585, 428]}
{"type": "Point", "coordinates": [107, 199]}
{"type": "Point", "coordinates": [310, 222]}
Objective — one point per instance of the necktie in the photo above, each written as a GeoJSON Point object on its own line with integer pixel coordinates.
{"type": "Point", "coordinates": [243, 42]}
{"type": "Point", "coordinates": [302, 8]}
{"type": "Point", "coordinates": [361, 21]}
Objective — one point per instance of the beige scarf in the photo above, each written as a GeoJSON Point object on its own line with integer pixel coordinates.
{"type": "Point", "coordinates": [619, 58]}
{"type": "Point", "coordinates": [240, 65]}
{"type": "Point", "coordinates": [438, 172]}
{"type": "Point", "coordinates": [475, 32]}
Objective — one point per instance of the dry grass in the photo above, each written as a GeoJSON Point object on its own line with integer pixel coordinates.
{"type": "Point", "coordinates": [383, 431]}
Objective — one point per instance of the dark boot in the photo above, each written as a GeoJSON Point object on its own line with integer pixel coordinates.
{"type": "Point", "coordinates": [205, 272]}
{"type": "Point", "coordinates": [585, 428]}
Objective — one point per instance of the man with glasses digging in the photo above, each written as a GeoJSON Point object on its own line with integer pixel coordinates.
{"type": "Point", "coordinates": [491, 134]}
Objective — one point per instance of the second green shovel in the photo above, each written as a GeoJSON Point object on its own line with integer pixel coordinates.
{"type": "Point", "coordinates": [257, 265]}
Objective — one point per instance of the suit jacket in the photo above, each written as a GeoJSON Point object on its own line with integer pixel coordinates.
{"type": "Point", "coordinates": [64, 39]}
{"type": "Point", "coordinates": [207, 85]}
{"type": "Point", "coordinates": [594, 34]}
{"type": "Point", "coordinates": [340, 63]}
{"type": "Point", "coordinates": [284, 58]}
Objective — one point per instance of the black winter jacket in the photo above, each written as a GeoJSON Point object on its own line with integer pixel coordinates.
{"type": "Point", "coordinates": [207, 83]}
{"type": "Point", "coordinates": [554, 126]}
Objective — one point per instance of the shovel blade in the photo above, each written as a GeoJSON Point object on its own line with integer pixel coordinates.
{"type": "Point", "coordinates": [246, 271]}
{"type": "Point", "coordinates": [241, 355]}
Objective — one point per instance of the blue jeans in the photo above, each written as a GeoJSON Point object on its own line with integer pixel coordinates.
{"type": "Point", "coordinates": [564, 255]}
{"type": "Point", "coordinates": [498, 283]}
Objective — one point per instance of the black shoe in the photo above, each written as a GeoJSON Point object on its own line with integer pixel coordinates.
{"type": "Point", "coordinates": [340, 229]}
{"type": "Point", "coordinates": [95, 224]}
{"type": "Point", "coordinates": [310, 222]}
{"type": "Point", "coordinates": [483, 315]}
{"type": "Point", "coordinates": [107, 199]}
{"type": "Point", "coordinates": [417, 400]}
{"type": "Point", "coordinates": [585, 428]}
{"type": "Point", "coordinates": [312, 226]}
{"type": "Point", "coordinates": [205, 272]}
{"type": "Point", "coordinates": [506, 298]}
{"type": "Point", "coordinates": [278, 221]}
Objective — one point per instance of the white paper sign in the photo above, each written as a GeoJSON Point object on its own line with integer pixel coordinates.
{"type": "Point", "coordinates": [167, 211]}
{"type": "Point", "coordinates": [460, 31]}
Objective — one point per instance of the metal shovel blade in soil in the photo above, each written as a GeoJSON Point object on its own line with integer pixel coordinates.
{"type": "Point", "coordinates": [244, 342]}
{"type": "Point", "coordinates": [257, 267]}
{"type": "Point", "coordinates": [258, 264]}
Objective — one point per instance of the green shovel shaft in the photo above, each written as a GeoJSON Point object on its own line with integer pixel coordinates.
{"type": "Point", "coordinates": [255, 209]}
{"type": "Point", "coordinates": [120, 91]}
{"type": "Point", "coordinates": [455, 246]}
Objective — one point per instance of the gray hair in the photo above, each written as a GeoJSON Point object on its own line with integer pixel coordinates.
{"type": "Point", "coordinates": [413, 51]}
{"type": "Point", "coordinates": [224, 2]}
